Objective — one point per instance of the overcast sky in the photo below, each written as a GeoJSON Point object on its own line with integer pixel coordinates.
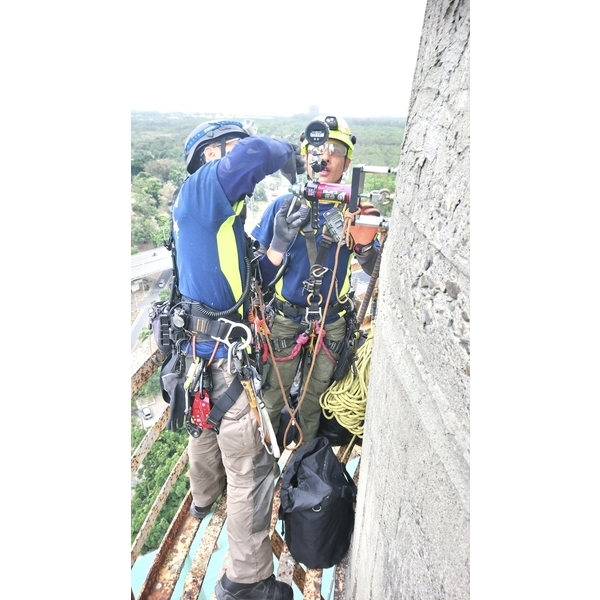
{"type": "Point", "coordinates": [268, 57]}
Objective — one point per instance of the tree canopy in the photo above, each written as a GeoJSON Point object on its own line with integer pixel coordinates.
{"type": "Point", "coordinates": [158, 168]}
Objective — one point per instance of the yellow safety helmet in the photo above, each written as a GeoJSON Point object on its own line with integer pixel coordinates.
{"type": "Point", "coordinates": [338, 130]}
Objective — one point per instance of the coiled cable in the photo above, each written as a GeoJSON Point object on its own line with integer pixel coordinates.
{"type": "Point", "coordinates": [346, 399]}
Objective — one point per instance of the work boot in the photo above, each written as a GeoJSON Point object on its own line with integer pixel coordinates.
{"type": "Point", "coordinates": [199, 513]}
{"type": "Point", "coordinates": [267, 589]}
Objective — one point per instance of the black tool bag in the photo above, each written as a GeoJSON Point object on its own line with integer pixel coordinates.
{"type": "Point", "coordinates": [337, 434]}
{"type": "Point", "coordinates": [317, 497]}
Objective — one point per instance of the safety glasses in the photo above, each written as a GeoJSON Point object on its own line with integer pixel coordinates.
{"type": "Point", "coordinates": [332, 148]}
{"type": "Point", "coordinates": [227, 144]}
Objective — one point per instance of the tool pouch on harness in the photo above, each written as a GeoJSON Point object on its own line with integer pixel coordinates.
{"type": "Point", "coordinates": [172, 378]}
{"type": "Point", "coordinates": [317, 497]}
{"type": "Point", "coordinates": [348, 350]}
{"type": "Point", "coordinates": [160, 324]}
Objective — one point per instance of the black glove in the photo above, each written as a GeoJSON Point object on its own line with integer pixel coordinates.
{"type": "Point", "coordinates": [173, 386]}
{"type": "Point", "coordinates": [294, 166]}
{"type": "Point", "coordinates": [286, 227]}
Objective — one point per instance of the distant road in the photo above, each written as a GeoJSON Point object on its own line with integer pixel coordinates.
{"type": "Point", "coordinates": [141, 320]}
{"type": "Point", "coordinates": [144, 264]}
{"type": "Point", "coordinates": [150, 262]}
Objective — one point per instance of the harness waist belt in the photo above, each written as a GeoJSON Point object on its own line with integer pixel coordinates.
{"type": "Point", "coordinates": [207, 327]}
{"type": "Point", "coordinates": [291, 310]}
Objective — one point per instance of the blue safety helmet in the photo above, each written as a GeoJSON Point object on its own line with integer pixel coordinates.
{"type": "Point", "coordinates": [208, 133]}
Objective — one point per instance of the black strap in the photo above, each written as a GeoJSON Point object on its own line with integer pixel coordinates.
{"type": "Point", "coordinates": [280, 344]}
{"type": "Point", "coordinates": [335, 346]}
{"type": "Point", "coordinates": [291, 310]}
{"type": "Point", "coordinates": [313, 283]}
{"type": "Point", "coordinates": [311, 245]}
{"type": "Point", "coordinates": [223, 403]}
{"type": "Point", "coordinates": [315, 258]}
{"type": "Point", "coordinates": [326, 243]}
{"type": "Point", "coordinates": [350, 491]}
{"type": "Point", "coordinates": [207, 328]}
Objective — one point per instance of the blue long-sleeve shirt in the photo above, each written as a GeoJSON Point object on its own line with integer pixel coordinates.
{"type": "Point", "coordinates": [290, 287]}
{"type": "Point", "coordinates": [207, 228]}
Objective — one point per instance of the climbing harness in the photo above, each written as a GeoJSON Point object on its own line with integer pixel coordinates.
{"type": "Point", "coordinates": [180, 322]}
{"type": "Point", "coordinates": [349, 383]}
{"type": "Point", "coordinates": [315, 316]}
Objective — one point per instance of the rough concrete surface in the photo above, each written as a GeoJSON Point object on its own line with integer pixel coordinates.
{"type": "Point", "coordinates": [411, 539]}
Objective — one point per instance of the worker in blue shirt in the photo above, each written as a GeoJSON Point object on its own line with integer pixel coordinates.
{"type": "Point", "coordinates": [225, 161]}
{"type": "Point", "coordinates": [297, 317]}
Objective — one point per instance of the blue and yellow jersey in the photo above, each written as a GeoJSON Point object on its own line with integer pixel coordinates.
{"type": "Point", "coordinates": [208, 232]}
{"type": "Point", "coordinates": [209, 241]}
{"type": "Point", "coordinates": [289, 287]}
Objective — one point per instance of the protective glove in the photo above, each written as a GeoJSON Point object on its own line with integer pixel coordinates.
{"type": "Point", "coordinates": [287, 227]}
{"type": "Point", "coordinates": [294, 166]}
{"type": "Point", "coordinates": [363, 237]}
{"type": "Point", "coordinates": [173, 387]}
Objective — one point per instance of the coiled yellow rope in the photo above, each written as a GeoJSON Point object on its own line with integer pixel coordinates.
{"type": "Point", "coordinates": [346, 399]}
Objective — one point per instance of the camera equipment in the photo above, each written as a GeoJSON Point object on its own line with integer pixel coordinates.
{"type": "Point", "coordinates": [350, 194]}
{"type": "Point", "coordinates": [317, 132]}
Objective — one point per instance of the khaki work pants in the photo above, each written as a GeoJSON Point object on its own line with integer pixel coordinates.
{"type": "Point", "coordinates": [309, 414]}
{"type": "Point", "coordinates": [236, 457]}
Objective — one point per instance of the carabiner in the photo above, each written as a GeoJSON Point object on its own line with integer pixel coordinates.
{"type": "Point", "coordinates": [318, 271]}
{"type": "Point", "coordinates": [234, 354]}
{"type": "Point", "coordinates": [233, 325]}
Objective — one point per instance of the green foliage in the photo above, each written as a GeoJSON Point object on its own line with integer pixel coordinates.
{"type": "Point", "coordinates": [162, 232]}
{"type": "Point", "coordinates": [138, 161]}
{"type": "Point", "coordinates": [144, 185]}
{"type": "Point", "coordinates": [158, 168]}
{"type": "Point", "coordinates": [144, 206]}
{"type": "Point", "coordinates": [149, 390]}
{"type": "Point", "coordinates": [177, 174]}
{"type": "Point", "coordinates": [142, 229]}
{"type": "Point", "coordinates": [137, 434]}
{"type": "Point", "coordinates": [144, 333]}
{"type": "Point", "coordinates": [154, 471]}
{"type": "Point", "coordinates": [259, 194]}
{"type": "Point", "coordinates": [164, 294]}
{"type": "Point", "coordinates": [157, 136]}
{"type": "Point", "coordinates": [152, 386]}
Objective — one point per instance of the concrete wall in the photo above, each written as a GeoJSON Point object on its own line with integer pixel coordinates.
{"type": "Point", "coordinates": [412, 525]}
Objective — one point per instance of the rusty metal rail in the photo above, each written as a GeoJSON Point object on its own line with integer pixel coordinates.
{"type": "Point", "coordinates": [168, 563]}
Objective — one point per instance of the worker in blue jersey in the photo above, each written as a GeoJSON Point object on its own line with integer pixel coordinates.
{"type": "Point", "coordinates": [298, 304]}
{"type": "Point", "coordinates": [225, 161]}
